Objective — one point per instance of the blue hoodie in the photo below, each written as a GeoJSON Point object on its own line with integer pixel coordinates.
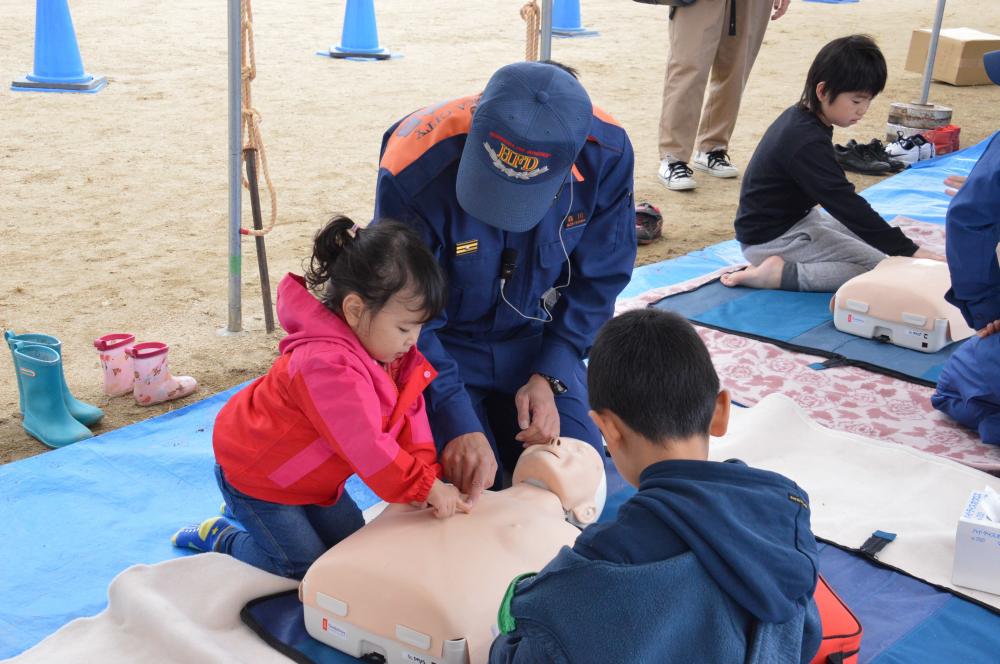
{"type": "Point", "coordinates": [708, 562]}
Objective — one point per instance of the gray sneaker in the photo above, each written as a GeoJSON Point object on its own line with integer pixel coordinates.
{"type": "Point", "coordinates": [676, 176]}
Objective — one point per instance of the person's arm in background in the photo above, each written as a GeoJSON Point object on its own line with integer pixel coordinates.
{"type": "Point", "coordinates": [972, 233]}
{"type": "Point", "coordinates": [818, 174]}
{"type": "Point", "coordinates": [466, 455]}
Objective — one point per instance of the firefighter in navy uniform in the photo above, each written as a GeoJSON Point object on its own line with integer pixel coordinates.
{"type": "Point", "coordinates": [524, 194]}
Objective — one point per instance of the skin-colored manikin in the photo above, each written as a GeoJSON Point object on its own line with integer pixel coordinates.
{"type": "Point", "coordinates": [433, 580]}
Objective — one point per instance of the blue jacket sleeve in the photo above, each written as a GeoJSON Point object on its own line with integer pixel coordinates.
{"type": "Point", "coordinates": [973, 234]}
{"type": "Point", "coordinates": [601, 267]}
{"type": "Point", "coordinates": [449, 408]}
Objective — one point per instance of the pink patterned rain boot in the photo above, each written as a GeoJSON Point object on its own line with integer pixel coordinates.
{"type": "Point", "coordinates": [153, 382]}
{"type": "Point", "coordinates": [117, 364]}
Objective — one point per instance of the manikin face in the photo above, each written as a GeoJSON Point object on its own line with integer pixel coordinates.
{"type": "Point", "coordinates": [569, 468]}
{"type": "Point", "coordinates": [847, 109]}
{"type": "Point", "coordinates": [392, 331]}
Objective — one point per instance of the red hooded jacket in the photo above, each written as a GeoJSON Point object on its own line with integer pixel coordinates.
{"type": "Point", "coordinates": [324, 411]}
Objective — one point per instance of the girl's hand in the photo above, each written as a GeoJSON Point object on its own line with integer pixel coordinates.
{"type": "Point", "coordinates": [990, 329]}
{"type": "Point", "coordinates": [445, 499]}
{"type": "Point", "coordinates": [924, 253]}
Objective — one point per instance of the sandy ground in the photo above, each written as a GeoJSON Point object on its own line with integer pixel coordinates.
{"type": "Point", "coordinates": [113, 206]}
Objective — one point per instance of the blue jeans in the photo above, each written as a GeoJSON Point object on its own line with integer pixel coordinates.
{"type": "Point", "coordinates": [284, 539]}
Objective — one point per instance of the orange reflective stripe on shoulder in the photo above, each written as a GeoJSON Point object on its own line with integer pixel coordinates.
{"type": "Point", "coordinates": [601, 115]}
{"type": "Point", "coordinates": [423, 129]}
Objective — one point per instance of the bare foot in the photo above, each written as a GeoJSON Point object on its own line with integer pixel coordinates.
{"type": "Point", "coordinates": [765, 275]}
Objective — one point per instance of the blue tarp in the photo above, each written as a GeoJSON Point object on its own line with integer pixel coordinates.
{"type": "Point", "coordinates": [74, 518]}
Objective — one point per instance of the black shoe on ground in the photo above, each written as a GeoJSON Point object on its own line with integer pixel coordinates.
{"type": "Point", "coordinates": [856, 157]}
{"type": "Point", "coordinates": [878, 151]}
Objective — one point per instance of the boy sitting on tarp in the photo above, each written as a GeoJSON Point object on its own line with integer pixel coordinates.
{"type": "Point", "coordinates": [790, 243]}
{"type": "Point", "coordinates": [708, 562]}
{"type": "Point", "coordinates": [968, 390]}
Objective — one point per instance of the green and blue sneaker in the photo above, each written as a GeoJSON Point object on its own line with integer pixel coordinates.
{"type": "Point", "coordinates": [203, 537]}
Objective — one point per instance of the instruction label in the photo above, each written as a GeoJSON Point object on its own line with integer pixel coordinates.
{"type": "Point", "coordinates": [333, 629]}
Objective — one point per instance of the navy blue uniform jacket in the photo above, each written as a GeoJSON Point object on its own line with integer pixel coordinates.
{"type": "Point", "coordinates": [708, 562]}
{"type": "Point", "coordinates": [479, 340]}
{"type": "Point", "coordinates": [968, 389]}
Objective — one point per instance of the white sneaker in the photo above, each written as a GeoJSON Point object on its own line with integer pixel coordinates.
{"type": "Point", "coordinates": [715, 163]}
{"type": "Point", "coordinates": [926, 147]}
{"type": "Point", "coordinates": [676, 175]}
{"type": "Point", "coordinates": [904, 149]}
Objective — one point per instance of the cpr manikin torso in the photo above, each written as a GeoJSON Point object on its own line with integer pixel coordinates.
{"type": "Point", "coordinates": [901, 301]}
{"type": "Point", "coordinates": [418, 589]}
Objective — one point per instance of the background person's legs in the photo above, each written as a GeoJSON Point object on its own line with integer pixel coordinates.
{"type": "Point", "coordinates": [820, 254]}
{"type": "Point", "coordinates": [734, 59]}
{"type": "Point", "coordinates": [694, 34]}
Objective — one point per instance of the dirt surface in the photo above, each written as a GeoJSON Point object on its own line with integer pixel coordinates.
{"type": "Point", "coordinates": [113, 207]}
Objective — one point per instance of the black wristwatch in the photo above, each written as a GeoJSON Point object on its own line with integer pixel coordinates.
{"type": "Point", "coordinates": [558, 387]}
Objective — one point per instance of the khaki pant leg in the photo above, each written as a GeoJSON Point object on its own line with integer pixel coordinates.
{"type": "Point", "coordinates": [733, 61]}
{"type": "Point", "coordinates": [694, 38]}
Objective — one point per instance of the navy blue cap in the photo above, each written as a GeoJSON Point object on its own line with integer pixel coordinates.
{"type": "Point", "coordinates": [991, 61]}
{"type": "Point", "coordinates": [529, 125]}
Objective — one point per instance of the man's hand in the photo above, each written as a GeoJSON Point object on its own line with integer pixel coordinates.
{"type": "Point", "coordinates": [924, 253]}
{"type": "Point", "coordinates": [953, 183]}
{"type": "Point", "coordinates": [536, 412]}
{"type": "Point", "coordinates": [468, 461]}
{"type": "Point", "coordinates": [991, 328]}
{"type": "Point", "coordinates": [780, 7]}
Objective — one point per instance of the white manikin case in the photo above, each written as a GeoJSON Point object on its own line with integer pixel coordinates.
{"type": "Point", "coordinates": [901, 302]}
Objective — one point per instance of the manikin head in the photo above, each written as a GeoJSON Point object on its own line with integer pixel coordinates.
{"type": "Point", "coordinates": [573, 471]}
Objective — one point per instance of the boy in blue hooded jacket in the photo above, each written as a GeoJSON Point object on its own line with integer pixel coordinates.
{"type": "Point", "coordinates": [708, 562]}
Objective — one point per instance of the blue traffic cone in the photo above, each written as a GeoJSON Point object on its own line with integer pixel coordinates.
{"type": "Point", "coordinates": [359, 38]}
{"type": "Point", "coordinates": [566, 19]}
{"type": "Point", "coordinates": [58, 67]}
{"type": "Point", "coordinates": [84, 413]}
{"type": "Point", "coordinates": [46, 417]}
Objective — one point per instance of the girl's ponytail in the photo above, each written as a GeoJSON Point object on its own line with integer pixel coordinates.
{"type": "Point", "coordinates": [328, 246]}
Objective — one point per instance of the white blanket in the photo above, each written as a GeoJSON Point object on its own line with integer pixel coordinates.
{"type": "Point", "coordinates": [187, 610]}
{"type": "Point", "coordinates": [858, 485]}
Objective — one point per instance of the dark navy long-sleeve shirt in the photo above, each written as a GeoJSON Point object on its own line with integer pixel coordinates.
{"type": "Point", "coordinates": [479, 339]}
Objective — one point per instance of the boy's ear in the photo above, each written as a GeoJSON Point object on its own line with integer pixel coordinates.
{"type": "Point", "coordinates": [720, 418]}
{"type": "Point", "coordinates": [353, 307]}
{"type": "Point", "coordinates": [821, 91]}
{"type": "Point", "coordinates": [608, 424]}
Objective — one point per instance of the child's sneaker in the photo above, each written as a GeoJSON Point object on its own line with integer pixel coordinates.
{"type": "Point", "coordinates": [203, 537]}
{"type": "Point", "coordinates": [905, 149]}
{"type": "Point", "coordinates": [856, 157]}
{"type": "Point", "coordinates": [877, 150]}
{"type": "Point", "coordinates": [715, 163]}
{"type": "Point", "coordinates": [676, 175]}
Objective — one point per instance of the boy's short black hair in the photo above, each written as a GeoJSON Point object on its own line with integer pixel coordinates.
{"type": "Point", "coordinates": [848, 64]}
{"type": "Point", "coordinates": [650, 368]}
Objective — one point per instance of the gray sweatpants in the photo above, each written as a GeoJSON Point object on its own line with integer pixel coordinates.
{"type": "Point", "coordinates": [820, 254]}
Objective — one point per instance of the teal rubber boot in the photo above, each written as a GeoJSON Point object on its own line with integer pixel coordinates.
{"type": "Point", "coordinates": [46, 415]}
{"type": "Point", "coordinates": [83, 413]}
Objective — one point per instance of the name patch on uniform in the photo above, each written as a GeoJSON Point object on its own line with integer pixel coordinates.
{"type": "Point", "coordinates": [795, 499]}
{"type": "Point", "coordinates": [467, 247]}
{"type": "Point", "coordinates": [577, 219]}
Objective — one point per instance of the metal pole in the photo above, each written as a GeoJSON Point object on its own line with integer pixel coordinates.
{"type": "Point", "coordinates": [545, 47]}
{"type": "Point", "coordinates": [932, 52]}
{"type": "Point", "coordinates": [235, 183]}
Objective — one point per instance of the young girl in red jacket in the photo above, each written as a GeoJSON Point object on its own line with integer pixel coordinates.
{"type": "Point", "coordinates": [344, 397]}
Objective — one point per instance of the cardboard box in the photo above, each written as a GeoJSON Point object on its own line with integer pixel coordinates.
{"type": "Point", "coordinates": [959, 58]}
{"type": "Point", "coordinates": [977, 548]}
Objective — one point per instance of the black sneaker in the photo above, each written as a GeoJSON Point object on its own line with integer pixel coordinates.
{"type": "Point", "coordinates": [878, 151]}
{"type": "Point", "coordinates": [856, 157]}
{"type": "Point", "coordinates": [648, 223]}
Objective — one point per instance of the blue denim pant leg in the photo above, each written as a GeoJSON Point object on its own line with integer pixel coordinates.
{"type": "Point", "coordinates": [284, 539]}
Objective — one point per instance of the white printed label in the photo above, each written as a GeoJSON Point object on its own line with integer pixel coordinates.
{"type": "Point", "coordinates": [855, 320]}
{"type": "Point", "coordinates": [917, 333]}
{"type": "Point", "coordinates": [413, 658]}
